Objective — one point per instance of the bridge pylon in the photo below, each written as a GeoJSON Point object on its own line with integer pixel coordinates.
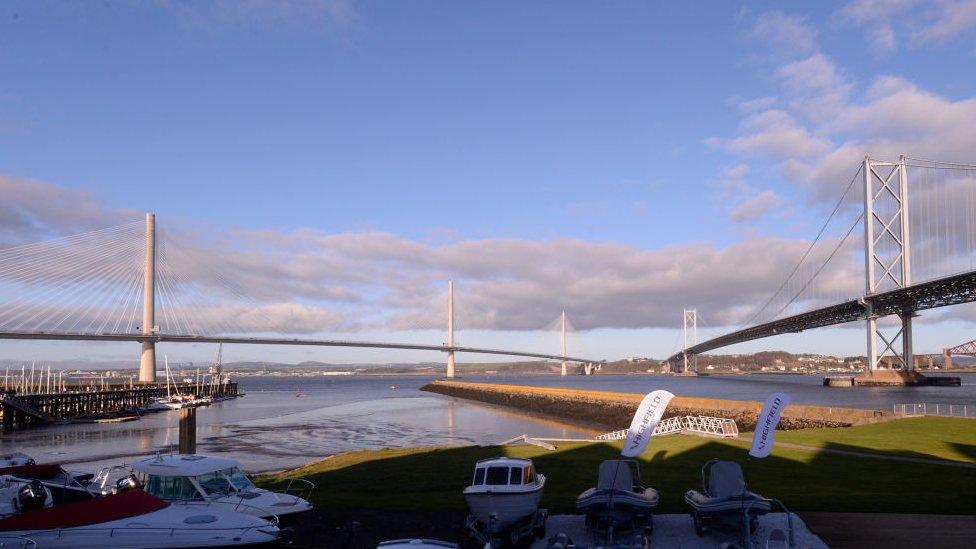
{"type": "Point", "coordinates": [147, 361]}
{"type": "Point", "coordinates": [450, 329]}
{"type": "Point", "coordinates": [562, 319]}
{"type": "Point", "coordinates": [886, 209]}
{"type": "Point", "coordinates": [690, 320]}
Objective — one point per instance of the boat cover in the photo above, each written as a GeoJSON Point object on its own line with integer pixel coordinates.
{"type": "Point", "coordinates": [39, 472]}
{"type": "Point", "coordinates": [725, 491]}
{"type": "Point", "coordinates": [94, 511]}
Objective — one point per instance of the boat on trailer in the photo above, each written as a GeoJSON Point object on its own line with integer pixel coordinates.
{"type": "Point", "coordinates": [504, 498]}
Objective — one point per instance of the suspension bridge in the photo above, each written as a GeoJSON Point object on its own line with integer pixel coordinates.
{"type": "Point", "coordinates": [917, 250]}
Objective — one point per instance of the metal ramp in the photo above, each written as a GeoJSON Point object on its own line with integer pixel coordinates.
{"type": "Point", "coordinates": [691, 425]}
{"type": "Point", "coordinates": [10, 401]}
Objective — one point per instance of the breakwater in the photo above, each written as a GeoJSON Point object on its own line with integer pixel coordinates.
{"type": "Point", "coordinates": [615, 410]}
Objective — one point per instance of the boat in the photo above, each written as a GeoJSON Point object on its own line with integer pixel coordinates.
{"type": "Point", "coordinates": [131, 519]}
{"type": "Point", "coordinates": [417, 543]}
{"type": "Point", "coordinates": [14, 459]}
{"type": "Point", "coordinates": [174, 400]}
{"type": "Point", "coordinates": [213, 481]}
{"type": "Point", "coordinates": [63, 486]}
{"type": "Point", "coordinates": [618, 502]}
{"type": "Point", "coordinates": [504, 493]}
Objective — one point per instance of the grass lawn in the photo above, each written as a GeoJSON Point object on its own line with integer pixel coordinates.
{"type": "Point", "coordinates": [432, 478]}
{"type": "Point", "coordinates": [930, 437]}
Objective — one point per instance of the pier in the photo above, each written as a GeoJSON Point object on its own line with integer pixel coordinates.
{"type": "Point", "coordinates": [20, 411]}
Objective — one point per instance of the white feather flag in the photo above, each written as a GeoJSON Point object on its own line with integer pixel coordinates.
{"type": "Point", "coordinates": [648, 415]}
{"type": "Point", "coordinates": [765, 435]}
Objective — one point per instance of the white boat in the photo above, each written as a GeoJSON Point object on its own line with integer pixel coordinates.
{"type": "Point", "coordinates": [131, 519]}
{"type": "Point", "coordinates": [173, 399]}
{"type": "Point", "coordinates": [503, 492]}
{"type": "Point", "coordinates": [64, 486]}
{"type": "Point", "coordinates": [14, 459]}
{"type": "Point", "coordinates": [213, 481]}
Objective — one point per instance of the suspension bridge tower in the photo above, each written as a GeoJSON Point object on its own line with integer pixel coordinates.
{"type": "Point", "coordinates": [690, 333]}
{"type": "Point", "coordinates": [147, 362]}
{"type": "Point", "coordinates": [887, 266]}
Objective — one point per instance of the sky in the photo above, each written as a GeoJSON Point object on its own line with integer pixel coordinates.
{"type": "Point", "coordinates": [620, 162]}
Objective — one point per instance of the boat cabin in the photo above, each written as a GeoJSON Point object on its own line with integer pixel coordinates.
{"type": "Point", "coordinates": [504, 472]}
{"type": "Point", "coordinates": [190, 477]}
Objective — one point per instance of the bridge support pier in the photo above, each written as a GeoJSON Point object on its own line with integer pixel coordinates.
{"type": "Point", "coordinates": [147, 362]}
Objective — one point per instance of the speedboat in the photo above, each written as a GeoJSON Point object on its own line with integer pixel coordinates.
{"type": "Point", "coordinates": [618, 502]}
{"type": "Point", "coordinates": [214, 481]}
{"type": "Point", "coordinates": [64, 486]}
{"type": "Point", "coordinates": [14, 459]}
{"type": "Point", "coordinates": [131, 519]}
{"type": "Point", "coordinates": [504, 492]}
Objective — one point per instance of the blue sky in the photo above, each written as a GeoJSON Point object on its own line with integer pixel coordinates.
{"type": "Point", "coordinates": [648, 126]}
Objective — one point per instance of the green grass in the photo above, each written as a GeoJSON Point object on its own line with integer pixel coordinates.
{"type": "Point", "coordinates": [930, 437]}
{"type": "Point", "coordinates": [432, 478]}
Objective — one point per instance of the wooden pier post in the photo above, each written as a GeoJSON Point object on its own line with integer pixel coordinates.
{"type": "Point", "coordinates": [188, 430]}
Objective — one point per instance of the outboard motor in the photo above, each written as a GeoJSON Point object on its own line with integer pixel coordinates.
{"type": "Point", "coordinates": [31, 496]}
{"type": "Point", "coordinates": [125, 484]}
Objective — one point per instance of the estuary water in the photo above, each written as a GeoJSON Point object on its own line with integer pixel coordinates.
{"type": "Point", "coordinates": [284, 422]}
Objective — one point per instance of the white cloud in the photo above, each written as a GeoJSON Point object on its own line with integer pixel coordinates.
{"type": "Point", "coordinates": [782, 32]}
{"type": "Point", "coordinates": [755, 207]}
{"type": "Point", "coordinates": [307, 281]}
{"type": "Point", "coordinates": [912, 22]}
{"type": "Point", "coordinates": [775, 134]}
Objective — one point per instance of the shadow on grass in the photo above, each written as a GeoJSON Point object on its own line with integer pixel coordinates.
{"type": "Point", "coordinates": [432, 479]}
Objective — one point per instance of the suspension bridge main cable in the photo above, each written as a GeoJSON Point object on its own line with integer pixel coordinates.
{"type": "Point", "coordinates": [806, 253]}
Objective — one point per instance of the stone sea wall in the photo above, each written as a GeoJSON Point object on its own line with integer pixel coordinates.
{"type": "Point", "coordinates": [615, 410]}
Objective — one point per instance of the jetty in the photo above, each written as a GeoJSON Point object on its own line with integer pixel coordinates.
{"type": "Point", "coordinates": [19, 411]}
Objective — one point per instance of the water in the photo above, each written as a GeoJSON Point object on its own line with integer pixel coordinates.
{"type": "Point", "coordinates": [274, 428]}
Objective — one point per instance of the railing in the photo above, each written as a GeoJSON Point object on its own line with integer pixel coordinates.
{"type": "Point", "coordinates": [694, 425]}
{"type": "Point", "coordinates": [929, 409]}
{"type": "Point", "coordinates": [20, 541]}
{"type": "Point", "coordinates": [303, 490]}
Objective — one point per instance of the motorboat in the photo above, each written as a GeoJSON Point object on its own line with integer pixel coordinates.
{"type": "Point", "coordinates": [618, 502]}
{"type": "Point", "coordinates": [64, 486]}
{"type": "Point", "coordinates": [126, 520]}
{"type": "Point", "coordinates": [14, 459]}
{"type": "Point", "coordinates": [723, 499]}
{"type": "Point", "coordinates": [417, 543]}
{"type": "Point", "coordinates": [504, 493]}
{"type": "Point", "coordinates": [213, 481]}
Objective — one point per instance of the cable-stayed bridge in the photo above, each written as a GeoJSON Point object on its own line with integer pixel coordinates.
{"type": "Point", "coordinates": [126, 284]}
{"type": "Point", "coordinates": [916, 250]}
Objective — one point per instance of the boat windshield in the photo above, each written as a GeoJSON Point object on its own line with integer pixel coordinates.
{"type": "Point", "coordinates": [238, 478]}
{"type": "Point", "coordinates": [215, 483]}
{"type": "Point", "coordinates": [497, 476]}
{"type": "Point", "coordinates": [172, 488]}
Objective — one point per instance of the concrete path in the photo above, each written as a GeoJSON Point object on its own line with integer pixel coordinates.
{"type": "Point", "coordinates": [893, 531]}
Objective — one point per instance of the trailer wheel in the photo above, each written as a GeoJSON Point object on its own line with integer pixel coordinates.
{"type": "Point", "coordinates": [514, 537]}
